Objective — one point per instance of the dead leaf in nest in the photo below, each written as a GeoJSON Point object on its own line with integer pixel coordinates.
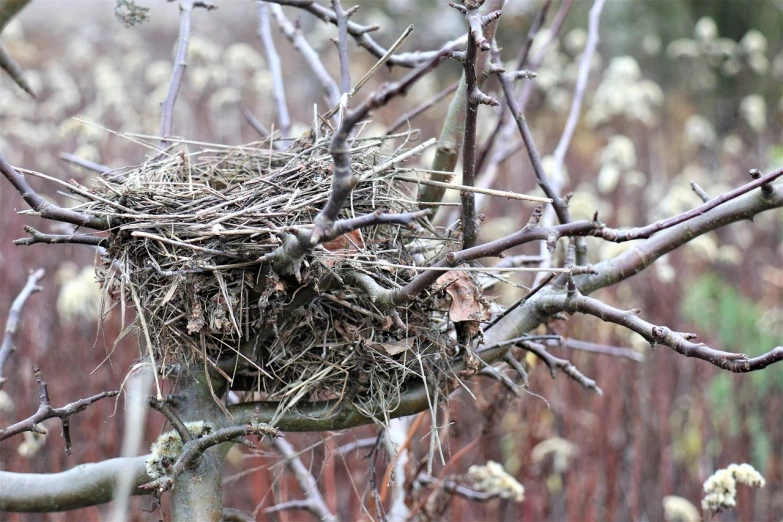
{"type": "Point", "coordinates": [350, 242]}
{"type": "Point", "coordinates": [196, 321]}
{"type": "Point", "coordinates": [396, 347]}
{"type": "Point", "coordinates": [467, 301]}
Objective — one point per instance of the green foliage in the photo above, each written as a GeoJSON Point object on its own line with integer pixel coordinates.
{"type": "Point", "coordinates": [722, 312]}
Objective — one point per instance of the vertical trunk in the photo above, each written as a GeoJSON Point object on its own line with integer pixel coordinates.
{"type": "Point", "coordinates": [198, 492]}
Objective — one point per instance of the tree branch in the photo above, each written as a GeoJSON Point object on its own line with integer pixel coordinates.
{"type": "Point", "coordinates": [314, 502]}
{"type": "Point", "coordinates": [342, 46]}
{"type": "Point", "coordinates": [295, 36]}
{"type": "Point", "coordinates": [679, 342]}
{"type": "Point", "coordinates": [474, 97]}
{"type": "Point", "coordinates": [287, 257]}
{"type": "Point", "coordinates": [14, 314]}
{"type": "Point", "coordinates": [82, 486]}
{"type": "Point", "coordinates": [55, 239]}
{"type": "Point", "coordinates": [45, 209]}
{"type": "Point", "coordinates": [565, 366]}
{"type": "Point", "coordinates": [45, 411]}
{"type": "Point", "coordinates": [193, 450]}
{"type": "Point", "coordinates": [177, 73]}
{"type": "Point", "coordinates": [360, 33]}
{"type": "Point", "coordinates": [273, 60]}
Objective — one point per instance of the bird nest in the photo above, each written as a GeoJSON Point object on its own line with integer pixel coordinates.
{"type": "Point", "coordinates": [187, 235]}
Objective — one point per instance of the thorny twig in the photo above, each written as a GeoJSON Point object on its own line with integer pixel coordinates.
{"type": "Point", "coordinates": [538, 22]}
{"type": "Point", "coordinates": [45, 411]}
{"type": "Point", "coordinates": [679, 342]}
{"type": "Point", "coordinates": [14, 315]}
{"type": "Point", "coordinates": [474, 97]}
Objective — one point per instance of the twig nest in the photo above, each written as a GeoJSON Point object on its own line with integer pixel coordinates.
{"type": "Point", "coordinates": [187, 234]}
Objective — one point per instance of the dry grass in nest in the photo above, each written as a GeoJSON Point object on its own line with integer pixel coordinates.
{"type": "Point", "coordinates": [187, 232]}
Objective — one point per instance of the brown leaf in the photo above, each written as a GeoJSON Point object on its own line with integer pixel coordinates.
{"type": "Point", "coordinates": [396, 347]}
{"type": "Point", "coordinates": [467, 301]}
{"type": "Point", "coordinates": [351, 242]}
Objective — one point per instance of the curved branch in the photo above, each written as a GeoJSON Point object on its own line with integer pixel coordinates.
{"type": "Point", "coordinates": [79, 487]}
{"type": "Point", "coordinates": [679, 342]}
{"type": "Point", "coordinates": [45, 209]}
{"type": "Point", "coordinates": [12, 323]}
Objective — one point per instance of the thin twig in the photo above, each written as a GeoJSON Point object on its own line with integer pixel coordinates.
{"type": "Point", "coordinates": [45, 411]}
{"type": "Point", "coordinates": [45, 209]}
{"type": "Point", "coordinates": [314, 500]}
{"type": "Point", "coordinates": [565, 366]}
{"type": "Point", "coordinates": [295, 36]}
{"type": "Point", "coordinates": [579, 93]}
{"type": "Point", "coordinates": [275, 69]}
{"type": "Point", "coordinates": [342, 46]}
{"type": "Point", "coordinates": [360, 33]}
{"type": "Point", "coordinates": [177, 73]}
{"type": "Point", "coordinates": [14, 315]}
{"type": "Point", "coordinates": [52, 239]}
{"type": "Point", "coordinates": [419, 109]}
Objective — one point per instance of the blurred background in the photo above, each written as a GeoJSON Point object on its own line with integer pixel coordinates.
{"type": "Point", "coordinates": [679, 91]}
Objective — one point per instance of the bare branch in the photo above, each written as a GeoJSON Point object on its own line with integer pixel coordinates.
{"type": "Point", "coordinates": [164, 409]}
{"type": "Point", "coordinates": [192, 451]}
{"type": "Point", "coordinates": [287, 257]}
{"type": "Point", "coordinates": [474, 97]}
{"type": "Point", "coordinates": [342, 46]}
{"type": "Point", "coordinates": [314, 502]}
{"type": "Point", "coordinates": [522, 58]}
{"type": "Point", "coordinates": [561, 209]}
{"type": "Point", "coordinates": [45, 411]}
{"type": "Point", "coordinates": [87, 164]}
{"type": "Point", "coordinates": [177, 73]}
{"type": "Point", "coordinates": [649, 230]}
{"type": "Point", "coordinates": [273, 60]}
{"type": "Point", "coordinates": [85, 485]}
{"type": "Point", "coordinates": [565, 366]}
{"type": "Point", "coordinates": [235, 515]}
{"type": "Point", "coordinates": [14, 314]}
{"type": "Point", "coordinates": [602, 349]}
{"type": "Point", "coordinates": [579, 90]}
{"type": "Point", "coordinates": [53, 239]}
{"type": "Point", "coordinates": [295, 36]}
{"type": "Point", "coordinates": [679, 342]}
{"type": "Point", "coordinates": [419, 109]}
{"type": "Point", "coordinates": [360, 33]}
{"type": "Point", "coordinates": [15, 71]}
{"type": "Point", "coordinates": [452, 132]}
{"type": "Point", "coordinates": [45, 209]}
